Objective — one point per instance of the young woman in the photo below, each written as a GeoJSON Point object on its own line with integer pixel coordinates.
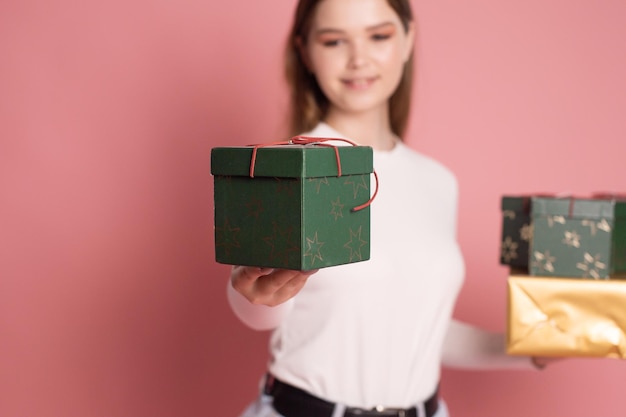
{"type": "Point", "coordinates": [369, 338]}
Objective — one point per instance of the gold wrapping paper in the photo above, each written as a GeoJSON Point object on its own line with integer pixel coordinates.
{"type": "Point", "coordinates": [566, 317]}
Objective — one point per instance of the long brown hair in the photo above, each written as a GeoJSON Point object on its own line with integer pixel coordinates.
{"type": "Point", "coordinates": [308, 104]}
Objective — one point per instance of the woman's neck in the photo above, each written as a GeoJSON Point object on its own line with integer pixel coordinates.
{"type": "Point", "coordinates": [365, 128]}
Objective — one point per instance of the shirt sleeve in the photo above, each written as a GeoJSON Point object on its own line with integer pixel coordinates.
{"type": "Point", "coordinates": [470, 347]}
{"type": "Point", "coordinates": [257, 317]}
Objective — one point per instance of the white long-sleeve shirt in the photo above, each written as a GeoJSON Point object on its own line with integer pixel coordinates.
{"type": "Point", "coordinates": [376, 332]}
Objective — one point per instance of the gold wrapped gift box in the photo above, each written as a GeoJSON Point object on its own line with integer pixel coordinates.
{"type": "Point", "coordinates": [566, 317]}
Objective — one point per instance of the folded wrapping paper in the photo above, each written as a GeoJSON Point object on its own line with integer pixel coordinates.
{"type": "Point", "coordinates": [566, 317]}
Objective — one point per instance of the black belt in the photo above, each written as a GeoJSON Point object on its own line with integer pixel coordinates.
{"type": "Point", "coordinates": [290, 401]}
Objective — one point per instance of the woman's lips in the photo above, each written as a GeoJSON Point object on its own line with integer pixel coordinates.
{"type": "Point", "coordinates": [361, 83]}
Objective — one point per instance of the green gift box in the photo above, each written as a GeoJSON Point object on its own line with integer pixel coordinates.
{"type": "Point", "coordinates": [516, 231]}
{"type": "Point", "coordinates": [578, 237]}
{"type": "Point", "coordinates": [291, 206]}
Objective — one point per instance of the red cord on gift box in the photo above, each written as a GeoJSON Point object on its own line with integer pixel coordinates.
{"type": "Point", "coordinates": [572, 198]}
{"type": "Point", "coordinates": [306, 140]}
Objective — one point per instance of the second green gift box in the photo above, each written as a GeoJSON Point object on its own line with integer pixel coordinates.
{"type": "Point", "coordinates": [578, 237]}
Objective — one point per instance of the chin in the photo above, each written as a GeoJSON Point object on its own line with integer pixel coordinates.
{"type": "Point", "coordinates": [364, 106]}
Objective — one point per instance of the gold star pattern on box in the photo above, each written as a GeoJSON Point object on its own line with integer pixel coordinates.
{"type": "Point", "coordinates": [357, 182]}
{"type": "Point", "coordinates": [555, 219]}
{"type": "Point", "coordinates": [337, 210]}
{"type": "Point", "coordinates": [286, 185]}
{"type": "Point", "coordinates": [591, 265]}
{"type": "Point", "coordinates": [602, 225]}
{"type": "Point", "coordinates": [355, 244]}
{"type": "Point", "coordinates": [508, 214]}
{"type": "Point", "coordinates": [255, 207]}
{"type": "Point", "coordinates": [572, 239]}
{"type": "Point", "coordinates": [509, 249]}
{"type": "Point", "coordinates": [526, 232]}
{"type": "Point", "coordinates": [226, 237]}
{"type": "Point", "coordinates": [318, 183]}
{"type": "Point", "coordinates": [281, 243]}
{"type": "Point", "coordinates": [313, 250]}
{"type": "Point", "coordinates": [544, 261]}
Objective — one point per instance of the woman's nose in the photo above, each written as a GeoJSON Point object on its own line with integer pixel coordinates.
{"type": "Point", "coordinates": [358, 55]}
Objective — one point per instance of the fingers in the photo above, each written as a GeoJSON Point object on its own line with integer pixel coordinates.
{"type": "Point", "coordinates": [541, 362]}
{"type": "Point", "coordinates": [266, 285]}
{"type": "Point", "coordinates": [278, 279]}
{"type": "Point", "coordinates": [277, 287]}
{"type": "Point", "coordinates": [247, 275]}
{"type": "Point", "coordinates": [285, 285]}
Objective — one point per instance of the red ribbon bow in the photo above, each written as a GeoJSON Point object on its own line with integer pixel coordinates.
{"type": "Point", "coordinates": [306, 140]}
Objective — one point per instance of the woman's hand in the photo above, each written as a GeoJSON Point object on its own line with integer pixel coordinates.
{"type": "Point", "coordinates": [268, 286]}
{"type": "Point", "coordinates": [540, 362]}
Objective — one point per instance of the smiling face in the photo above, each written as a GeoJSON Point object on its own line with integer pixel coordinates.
{"type": "Point", "coordinates": [357, 49]}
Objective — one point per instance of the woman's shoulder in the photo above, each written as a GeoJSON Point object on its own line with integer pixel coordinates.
{"type": "Point", "coordinates": [406, 156]}
{"type": "Point", "coordinates": [402, 157]}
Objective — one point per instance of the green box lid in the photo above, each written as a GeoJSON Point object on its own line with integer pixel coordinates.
{"type": "Point", "coordinates": [591, 208]}
{"type": "Point", "coordinates": [519, 203]}
{"type": "Point", "coordinates": [292, 161]}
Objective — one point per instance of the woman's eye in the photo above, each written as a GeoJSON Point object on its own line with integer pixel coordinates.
{"type": "Point", "coordinates": [331, 42]}
{"type": "Point", "coordinates": [381, 36]}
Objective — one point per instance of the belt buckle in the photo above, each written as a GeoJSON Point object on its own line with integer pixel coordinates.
{"type": "Point", "coordinates": [397, 412]}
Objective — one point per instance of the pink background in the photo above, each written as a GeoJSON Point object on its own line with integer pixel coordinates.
{"type": "Point", "coordinates": [110, 301]}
